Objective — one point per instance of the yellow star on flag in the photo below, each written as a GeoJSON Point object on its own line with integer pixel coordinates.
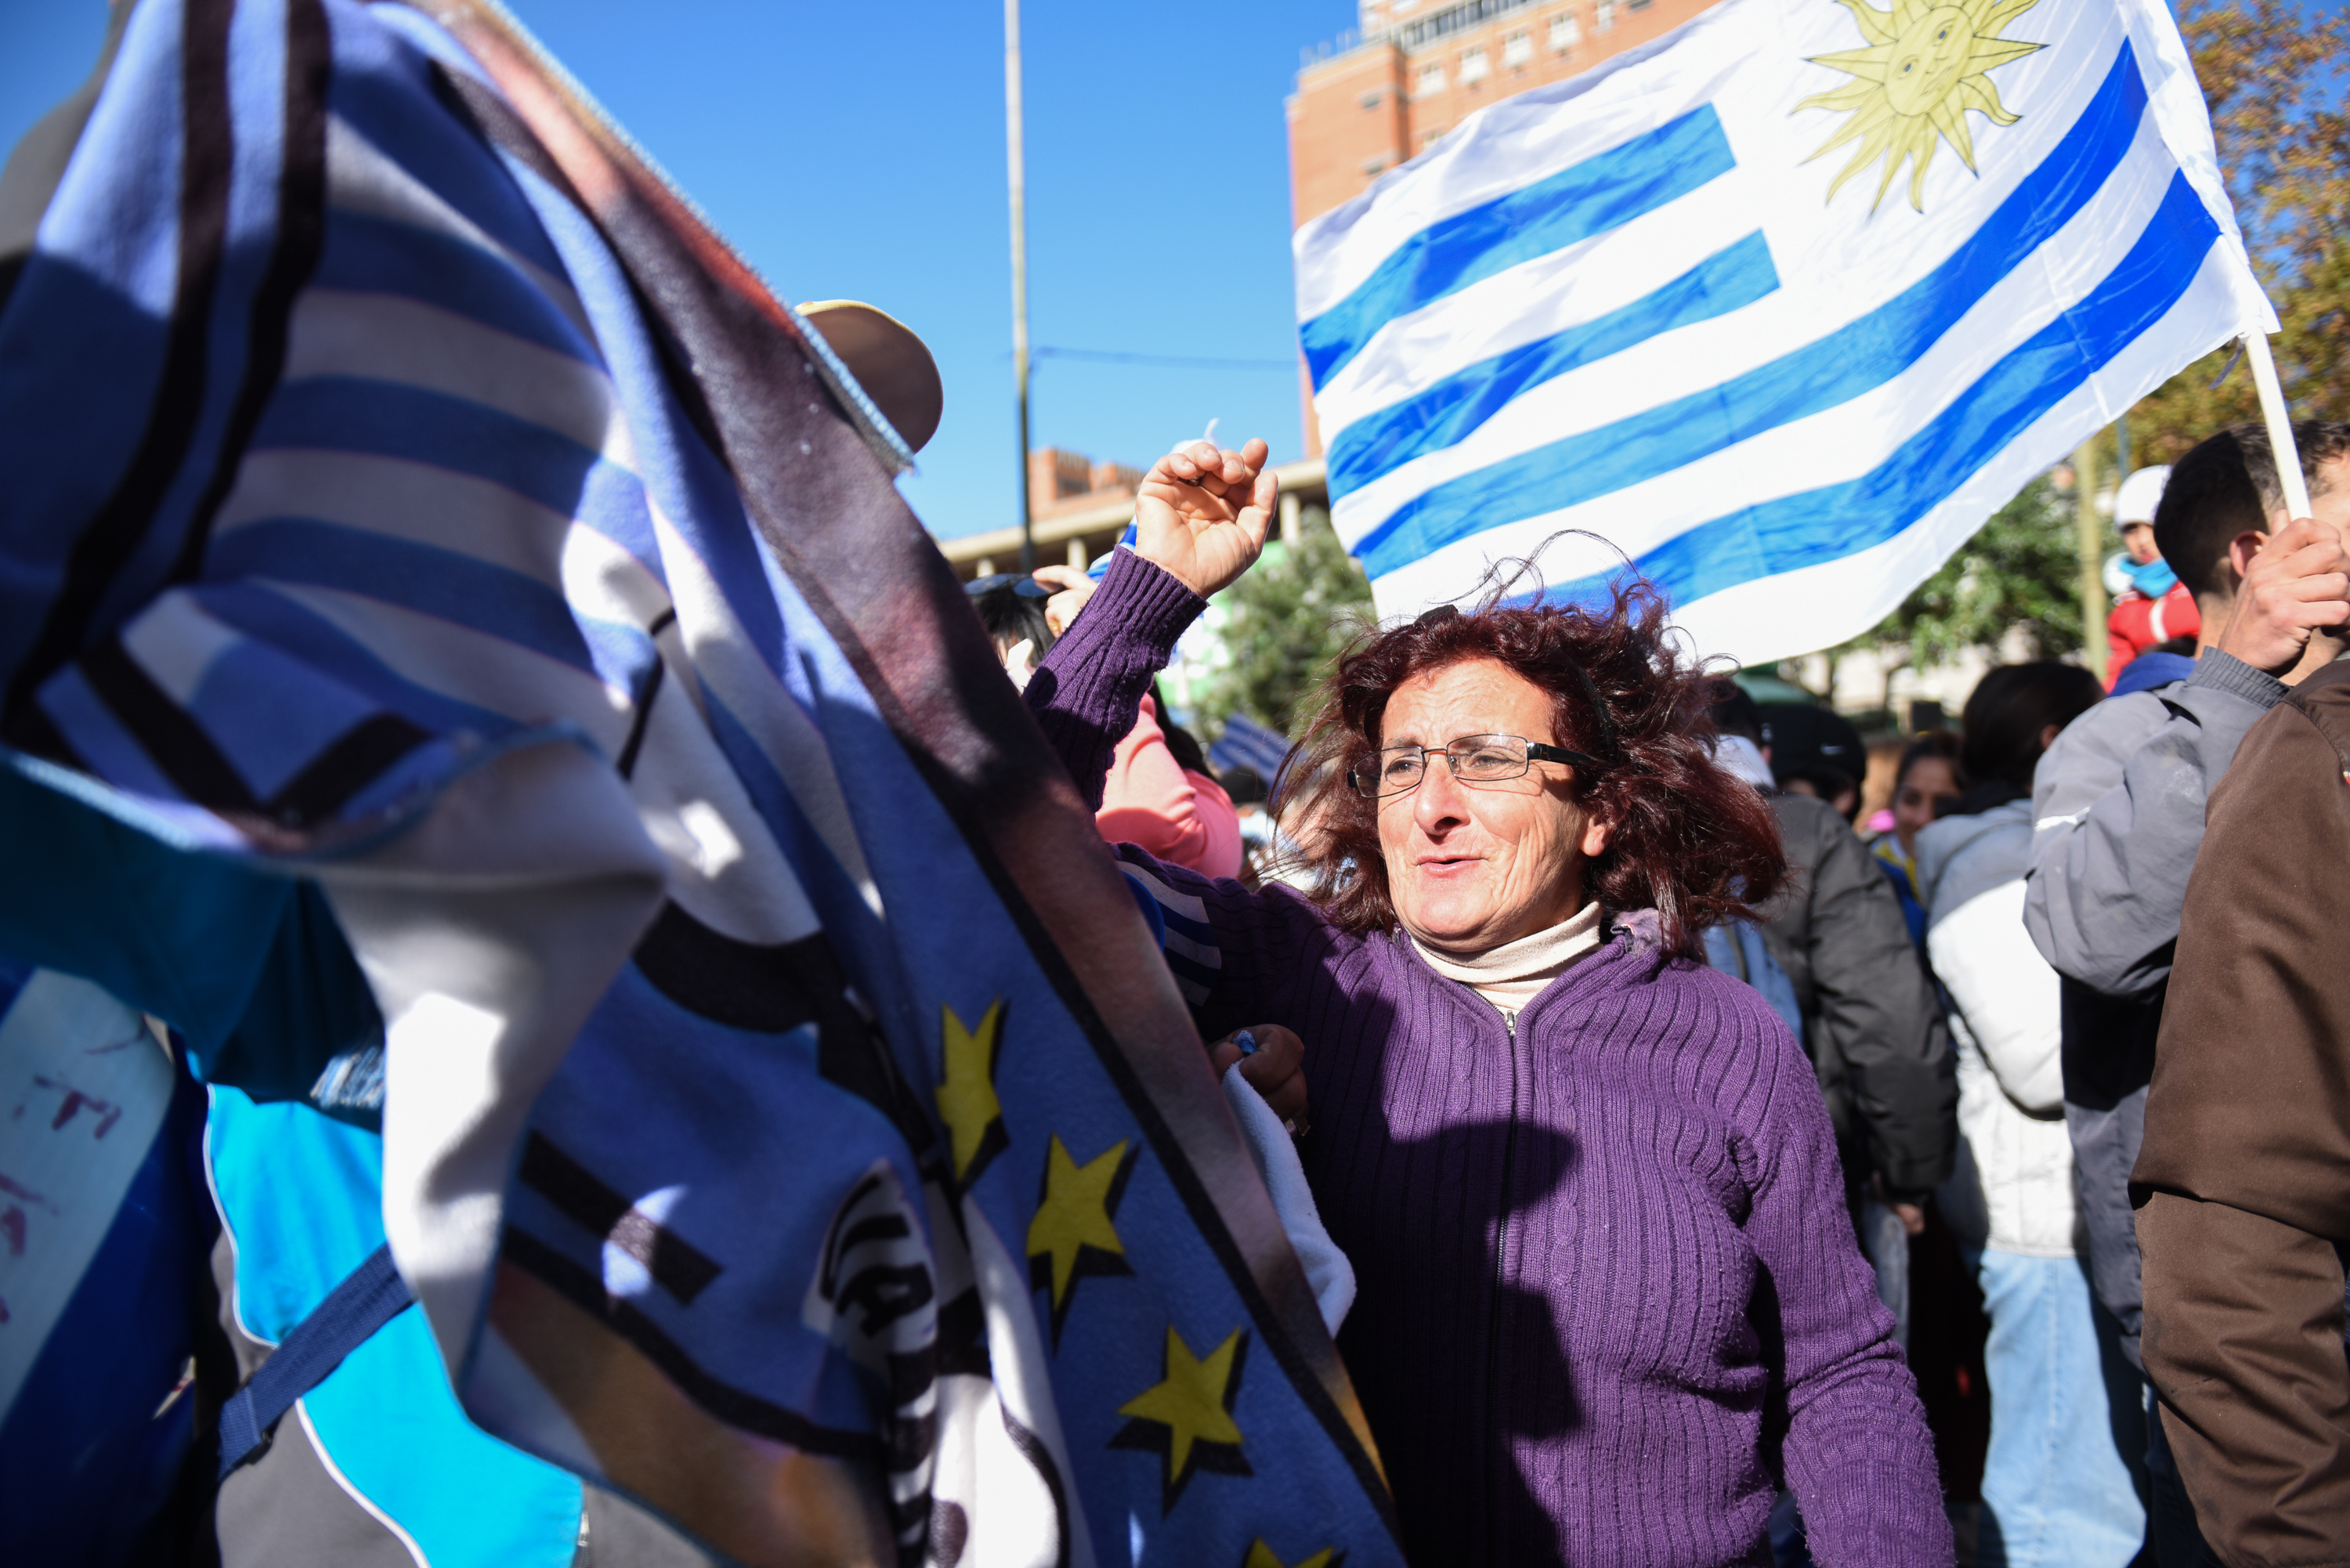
{"type": "Point", "coordinates": [1187, 1414]}
{"type": "Point", "coordinates": [1072, 1236]}
{"type": "Point", "coordinates": [967, 1101]}
{"type": "Point", "coordinates": [1259, 1555]}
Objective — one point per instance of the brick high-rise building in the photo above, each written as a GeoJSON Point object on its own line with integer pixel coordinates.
{"type": "Point", "coordinates": [1423, 67]}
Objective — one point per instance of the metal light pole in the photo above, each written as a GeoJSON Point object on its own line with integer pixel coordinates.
{"type": "Point", "coordinates": [1019, 266]}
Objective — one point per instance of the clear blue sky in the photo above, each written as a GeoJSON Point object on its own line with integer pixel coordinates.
{"type": "Point", "coordinates": [857, 151]}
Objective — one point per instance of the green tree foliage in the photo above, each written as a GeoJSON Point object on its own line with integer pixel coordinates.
{"type": "Point", "coordinates": [1286, 623]}
{"type": "Point", "coordinates": [2021, 569]}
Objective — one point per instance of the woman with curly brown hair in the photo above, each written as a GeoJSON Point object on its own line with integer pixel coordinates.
{"type": "Point", "coordinates": [1609, 1300]}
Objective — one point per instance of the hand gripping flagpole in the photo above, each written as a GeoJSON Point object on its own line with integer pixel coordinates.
{"type": "Point", "coordinates": [2280, 423]}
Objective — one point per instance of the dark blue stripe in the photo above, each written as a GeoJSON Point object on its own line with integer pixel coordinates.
{"type": "Point", "coordinates": [1183, 968]}
{"type": "Point", "coordinates": [263, 613]}
{"type": "Point", "coordinates": [1230, 753]}
{"type": "Point", "coordinates": [1854, 359]}
{"type": "Point", "coordinates": [1183, 925]}
{"type": "Point", "coordinates": [491, 599]}
{"type": "Point", "coordinates": [383, 87]}
{"type": "Point", "coordinates": [696, 490]}
{"type": "Point", "coordinates": [1841, 520]}
{"type": "Point", "coordinates": [376, 255]}
{"type": "Point", "coordinates": [1379, 443]}
{"type": "Point", "coordinates": [1599, 194]}
{"type": "Point", "coordinates": [338, 413]}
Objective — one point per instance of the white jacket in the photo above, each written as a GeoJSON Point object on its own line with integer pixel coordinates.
{"type": "Point", "coordinates": [2005, 1019]}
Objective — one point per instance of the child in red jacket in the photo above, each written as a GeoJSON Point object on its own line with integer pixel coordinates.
{"type": "Point", "coordinates": [2151, 605]}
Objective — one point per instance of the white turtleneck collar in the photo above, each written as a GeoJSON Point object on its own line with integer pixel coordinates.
{"type": "Point", "coordinates": [1514, 973]}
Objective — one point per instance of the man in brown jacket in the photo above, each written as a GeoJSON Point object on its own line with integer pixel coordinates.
{"type": "Point", "coordinates": [2243, 1186]}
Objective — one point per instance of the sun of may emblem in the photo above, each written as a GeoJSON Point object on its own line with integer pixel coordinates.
{"type": "Point", "coordinates": [1924, 68]}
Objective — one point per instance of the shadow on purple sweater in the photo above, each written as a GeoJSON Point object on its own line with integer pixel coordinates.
{"type": "Point", "coordinates": [1610, 1297]}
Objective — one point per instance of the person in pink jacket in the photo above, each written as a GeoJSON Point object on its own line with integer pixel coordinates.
{"type": "Point", "coordinates": [1151, 800]}
{"type": "Point", "coordinates": [1176, 814]}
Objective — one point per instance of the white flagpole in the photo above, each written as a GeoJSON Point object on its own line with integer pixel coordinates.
{"type": "Point", "coordinates": [2280, 423]}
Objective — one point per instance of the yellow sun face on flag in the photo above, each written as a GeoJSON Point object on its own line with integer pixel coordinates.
{"type": "Point", "coordinates": [1924, 68]}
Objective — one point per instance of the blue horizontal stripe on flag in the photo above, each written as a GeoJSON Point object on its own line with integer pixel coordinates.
{"type": "Point", "coordinates": [1241, 727]}
{"type": "Point", "coordinates": [1229, 754]}
{"type": "Point", "coordinates": [1856, 359]}
{"type": "Point", "coordinates": [1258, 745]}
{"type": "Point", "coordinates": [1378, 443]}
{"type": "Point", "coordinates": [1599, 194]}
{"type": "Point", "coordinates": [438, 151]}
{"type": "Point", "coordinates": [1185, 926]}
{"type": "Point", "coordinates": [493, 600]}
{"type": "Point", "coordinates": [1269, 758]}
{"type": "Point", "coordinates": [271, 714]}
{"type": "Point", "coordinates": [368, 255]}
{"type": "Point", "coordinates": [391, 418]}
{"type": "Point", "coordinates": [267, 616]}
{"type": "Point", "coordinates": [1250, 744]}
{"type": "Point", "coordinates": [1189, 969]}
{"type": "Point", "coordinates": [1841, 520]}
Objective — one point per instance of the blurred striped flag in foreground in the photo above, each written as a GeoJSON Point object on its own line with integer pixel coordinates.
{"type": "Point", "coordinates": [1780, 306]}
{"type": "Point", "coordinates": [779, 1106]}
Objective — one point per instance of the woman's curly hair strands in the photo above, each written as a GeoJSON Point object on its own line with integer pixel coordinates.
{"type": "Point", "coordinates": [1690, 841]}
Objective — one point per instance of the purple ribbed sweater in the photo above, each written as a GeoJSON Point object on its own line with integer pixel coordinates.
{"type": "Point", "coordinates": [1607, 1284]}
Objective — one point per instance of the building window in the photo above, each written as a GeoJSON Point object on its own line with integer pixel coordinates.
{"type": "Point", "coordinates": [1429, 138]}
{"type": "Point", "coordinates": [1603, 15]}
{"type": "Point", "coordinates": [1373, 98]}
{"type": "Point", "coordinates": [1638, 4]}
{"type": "Point", "coordinates": [1375, 163]}
{"type": "Point", "coordinates": [1432, 80]}
{"type": "Point", "coordinates": [1565, 32]}
{"type": "Point", "coordinates": [1473, 65]}
{"type": "Point", "coordinates": [1517, 48]}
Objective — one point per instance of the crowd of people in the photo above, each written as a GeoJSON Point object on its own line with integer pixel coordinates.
{"type": "Point", "coordinates": [1660, 1109]}
{"type": "Point", "coordinates": [455, 621]}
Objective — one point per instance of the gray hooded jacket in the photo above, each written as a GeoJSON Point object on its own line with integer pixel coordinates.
{"type": "Point", "coordinates": [2118, 804]}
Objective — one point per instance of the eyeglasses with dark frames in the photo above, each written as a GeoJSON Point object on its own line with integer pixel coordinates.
{"type": "Point", "coordinates": [1474, 759]}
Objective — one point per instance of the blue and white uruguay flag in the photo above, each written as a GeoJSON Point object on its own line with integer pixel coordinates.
{"type": "Point", "coordinates": [1782, 306]}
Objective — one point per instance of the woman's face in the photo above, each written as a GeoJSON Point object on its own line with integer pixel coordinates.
{"type": "Point", "coordinates": [1928, 785]}
{"type": "Point", "coordinates": [1472, 866]}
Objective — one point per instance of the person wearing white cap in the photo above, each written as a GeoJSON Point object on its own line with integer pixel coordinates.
{"type": "Point", "coordinates": [2151, 605]}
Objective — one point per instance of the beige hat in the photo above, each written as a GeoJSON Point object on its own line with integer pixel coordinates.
{"type": "Point", "coordinates": [890, 362]}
